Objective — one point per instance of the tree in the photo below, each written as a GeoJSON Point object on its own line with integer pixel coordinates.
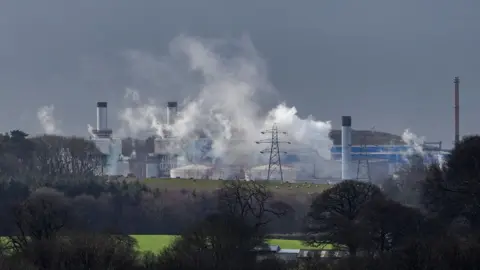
{"type": "Point", "coordinates": [334, 216]}
{"type": "Point", "coordinates": [41, 217]}
{"type": "Point", "coordinates": [16, 153]}
{"type": "Point", "coordinates": [81, 250]}
{"type": "Point", "coordinates": [250, 201]}
{"type": "Point", "coordinates": [72, 157]}
{"type": "Point", "coordinates": [454, 189]}
{"type": "Point", "coordinates": [219, 242]}
{"type": "Point", "coordinates": [39, 220]}
{"type": "Point", "coordinates": [381, 218]}
{"type": "Point", "coordinates": [405, 186]}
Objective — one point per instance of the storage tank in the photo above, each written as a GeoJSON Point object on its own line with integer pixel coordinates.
{"type": "Point", "coordinates": [261, 173]}
{"type": "Point", "coordinates": [191, 171]}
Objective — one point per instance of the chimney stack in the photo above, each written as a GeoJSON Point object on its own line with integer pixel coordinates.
{"type": "Point", "coordinates": [102, 130]}
{"type": "Point", "coordinates": [457, 109]}
{"type": "Point", "coordinates": [346, 147]}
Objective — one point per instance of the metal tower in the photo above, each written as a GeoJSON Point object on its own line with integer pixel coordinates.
{"type": "Point", "coordinates": [274, 163]}
{"type": "Point", "coordinates": [363, 163]}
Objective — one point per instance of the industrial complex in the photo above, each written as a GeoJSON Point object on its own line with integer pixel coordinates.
{"type": "Point", "coordinates": [363, 161]}
{"type": "Point", "coordinates": [172, 157]}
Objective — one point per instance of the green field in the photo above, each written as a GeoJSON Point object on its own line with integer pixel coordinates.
{"type": "Point", "coordinates": [209, 185]}
{"type": "Point", "coordinates": [156, 243]}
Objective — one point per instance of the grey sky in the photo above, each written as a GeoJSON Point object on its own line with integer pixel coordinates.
{"type": "Point", "coordinates": [389, 64]}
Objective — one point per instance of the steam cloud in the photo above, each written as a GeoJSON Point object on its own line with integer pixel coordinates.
{"type": "Point", "coordinates": [415, 142]}
{"type": "Point", "coordinates": [227, 85]}
{"type": "Point", "coordinates": [47, 120]}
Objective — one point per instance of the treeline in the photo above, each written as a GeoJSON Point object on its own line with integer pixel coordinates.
{"type": "Point", "coordinates": [57, 214]}
{"type": "Point", "coordinates": [67, 167]}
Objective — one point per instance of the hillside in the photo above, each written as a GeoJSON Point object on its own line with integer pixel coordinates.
{"type": "Point", "coordinates": [367, 137]}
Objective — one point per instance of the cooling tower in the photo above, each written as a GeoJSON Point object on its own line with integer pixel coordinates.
{"type": "Point", "coordinates": [346, 147]}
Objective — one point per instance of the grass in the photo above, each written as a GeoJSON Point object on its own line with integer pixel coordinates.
{"type": "Point", "coordinates": [210, 185]}
{"type": "Point", "coordinates": [156, 243]}
{"type": "Point", "coordinates": [153, 243]}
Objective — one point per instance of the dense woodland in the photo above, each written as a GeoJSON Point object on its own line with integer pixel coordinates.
{"type": "Point", "coordinates": [57, 214]}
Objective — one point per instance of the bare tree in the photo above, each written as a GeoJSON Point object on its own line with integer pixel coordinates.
{"type": "Point", "coordinates": [66, 157]}
{"type": "Point", "coordinates": [251, 201]}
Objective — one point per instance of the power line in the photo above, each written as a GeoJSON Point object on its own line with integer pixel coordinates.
{"type": "Point", "coordinates": [363, 163]}
{"type": "Point", "coordinates": [274, 163]}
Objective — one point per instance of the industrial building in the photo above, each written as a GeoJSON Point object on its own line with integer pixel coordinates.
{"type": "Point", "coordinates": [167, 160]}
{"type": "Point", "coordinates": [110, 147]}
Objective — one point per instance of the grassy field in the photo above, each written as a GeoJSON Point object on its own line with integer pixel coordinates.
{"type": "Point", "coordinates": [209, 185]}
{"type": "Point", "coordinates": [156, 243]}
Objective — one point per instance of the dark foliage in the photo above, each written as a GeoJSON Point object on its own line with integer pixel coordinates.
{"type": "Point", "coordinates": [334, 215]}
{"type": "Point", "coordinates": [454, 190]}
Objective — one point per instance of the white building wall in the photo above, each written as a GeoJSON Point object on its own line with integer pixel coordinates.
{"type": "Point", "coordinates": [191, 171]}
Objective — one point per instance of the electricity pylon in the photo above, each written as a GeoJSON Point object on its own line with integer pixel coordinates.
{"type": "Point", "coordinates": [274, 163]}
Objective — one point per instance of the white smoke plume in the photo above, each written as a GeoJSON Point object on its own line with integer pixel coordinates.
{"type": "Point", "coordinates": [415, 142]}
{"type": "Point", "coordinates": [227, 83]}
{"type": "Point", "coordinates": [140, 117]}
{"type": "Point", "coordinates": [417, 147]}
{"type": "Point", "coordinates": [47, 120]}
{"type": "Point", "coordinates": [90, 129]}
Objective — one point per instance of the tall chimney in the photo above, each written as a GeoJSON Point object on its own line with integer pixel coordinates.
{"type": "Point", "coordinates": [457, 109]}
{"type": "Point", "coordinates": [172, 108]}
{"type": "Point", "coordinates": [346, 147]}
{"type": "Point", "coordinates": [102, 130]}
{"type": "Point", "coordinates": [101, 116]}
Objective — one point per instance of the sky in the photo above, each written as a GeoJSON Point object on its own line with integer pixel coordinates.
{"type": "Point", "coordinates": [388, 64]}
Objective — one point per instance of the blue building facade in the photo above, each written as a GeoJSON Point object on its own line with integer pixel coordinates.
{"type": "Point", "coordinates": [391, 153]}
{"type": "Point", "coordinates": [198, 151]}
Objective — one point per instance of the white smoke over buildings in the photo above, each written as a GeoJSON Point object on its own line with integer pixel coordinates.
{"type": "Point", "coordinates": [415, 142]}
{"type": "Point", "coordinates": [228, 89]}
{"type": "Point", "coordinates": [47, 120]}
{"type": "Point", "coordinates": [416, 147]}
{"type": "Point", "coordinates": [223, 89]}
{"type": "Point", "coordinates": [140, 118]}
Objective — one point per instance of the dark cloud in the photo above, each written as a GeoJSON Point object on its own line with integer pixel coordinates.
{"type": "Point", "coordinates": [388, 63]}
